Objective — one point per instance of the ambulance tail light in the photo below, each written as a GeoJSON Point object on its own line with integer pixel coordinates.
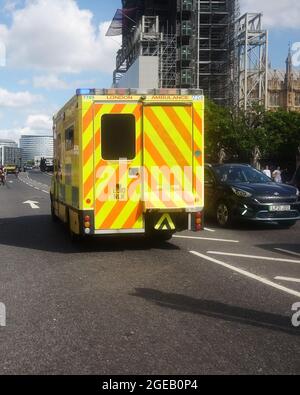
{"type": "Point", "coordinates": [87, 222]}
{"type": "Point", "coordinates": [197, 222]}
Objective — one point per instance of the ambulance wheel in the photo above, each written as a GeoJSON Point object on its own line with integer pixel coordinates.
{"type": "Point", "coordinates": [74, 237]}
{"type": "Point", "coordinates": [162, 235]}
{"type": "Point", "coordinates": [53, 216]}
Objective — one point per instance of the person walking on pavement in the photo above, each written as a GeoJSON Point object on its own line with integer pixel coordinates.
{"type": "Point", "coordinates": [267, 172]}
{"type": "Point", "coordinates": [277, 175]}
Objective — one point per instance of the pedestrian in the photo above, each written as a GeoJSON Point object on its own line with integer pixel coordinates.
{"type": "Point", "coordinates": [267, 172]}
{"type": "Point", "coordinates": [285, 176]}
{"type": "Point", "coordinates": [277, 175]}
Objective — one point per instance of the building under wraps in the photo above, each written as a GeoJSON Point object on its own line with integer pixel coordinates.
{"type": "Point", "coordinates": [191, 38]}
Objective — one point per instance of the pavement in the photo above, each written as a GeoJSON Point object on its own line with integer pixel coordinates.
{"type": "Point", "coordinates": [216, 302]}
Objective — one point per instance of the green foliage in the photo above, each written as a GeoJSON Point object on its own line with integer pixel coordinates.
{"type": "Point", "coordinates": [275, 134]}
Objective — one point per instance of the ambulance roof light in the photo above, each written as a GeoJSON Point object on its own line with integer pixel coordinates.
{"type": "Point", "coordinates": [84, 91]}
{"type": "Point", "coordinates": [128, 91]}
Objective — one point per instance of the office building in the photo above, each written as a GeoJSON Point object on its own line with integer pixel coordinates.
{"type": "Point", "coordinates": [32, 146]}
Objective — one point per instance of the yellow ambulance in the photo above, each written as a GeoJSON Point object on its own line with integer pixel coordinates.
{"type": "Point", "coordinates": [129, 162]}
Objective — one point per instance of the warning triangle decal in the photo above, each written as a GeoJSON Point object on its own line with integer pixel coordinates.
{"type": "Point", "coordinates": [165, 223]}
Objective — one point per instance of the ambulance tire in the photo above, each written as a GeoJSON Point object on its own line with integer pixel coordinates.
{"type": "Point", "coordinates": [53, 216]}
{"type": "Point", "coordinates": [75, 238]}
{"type": "Point", "coordinates": [161, 235]}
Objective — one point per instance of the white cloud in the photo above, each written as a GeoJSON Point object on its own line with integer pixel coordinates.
{"type": "Point", "coordinates": [49, 82]}
{"type": "Point", "coordinates": [10, 134]}
{"type": "Point", "coordinates": [54, 82]}
{"type": "Point", "coordinates": [277, 13]}
{"type": "Point", "coordinates": [39, 123]}
{"type": "Point", "coordinates": [18, 99]}
{"type": "Point", "coordinates": [58, 37]}
{"type": "Point", "coordinates": [35, 124]}
{"type": "Point", "coordinates": [11, 5]}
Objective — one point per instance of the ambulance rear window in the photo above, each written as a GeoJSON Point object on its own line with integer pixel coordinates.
{"type": "Point", "coordinates": [118, 136]}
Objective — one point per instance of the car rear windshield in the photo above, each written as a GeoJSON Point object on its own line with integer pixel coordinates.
{"type": "Point", "coordinates": [246, 175]}
{"type": "Point", "coordinates": [118, 137]}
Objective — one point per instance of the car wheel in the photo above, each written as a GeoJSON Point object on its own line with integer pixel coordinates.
{"type": "Point", "coordinates": [287, 224]}
{"type": "Point", "coordinates": [223, 215]}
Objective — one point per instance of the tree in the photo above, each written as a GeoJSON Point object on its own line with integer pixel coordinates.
{"type": "Point", "coordinates": [246, 136]}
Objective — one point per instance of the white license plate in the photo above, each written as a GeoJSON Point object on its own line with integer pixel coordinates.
{"type": "Point", "coordinates": [280, 208]}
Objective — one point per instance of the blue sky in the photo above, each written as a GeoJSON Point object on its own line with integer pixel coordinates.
{"type": "Point", "coordinates": [55, 46]}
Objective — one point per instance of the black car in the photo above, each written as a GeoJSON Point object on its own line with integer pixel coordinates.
{"type": "Point", "coordinates": [296, 179]}
{"type": "Point", "coordinates": [240, 192]}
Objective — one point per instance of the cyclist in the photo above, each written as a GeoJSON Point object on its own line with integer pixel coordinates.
{"type": "Point", "coordinates": [2, 176]}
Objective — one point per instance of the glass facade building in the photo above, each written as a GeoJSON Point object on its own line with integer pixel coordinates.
{"type": "Point", "coordinates": [32, 146]}
{"type": "Point", "coordinates": [10, 154]}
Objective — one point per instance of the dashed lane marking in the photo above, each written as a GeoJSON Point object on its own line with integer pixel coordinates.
{"type": "Point", "coordinates": [205, 238]}
{"type": "Point", "coordinates": [287, 251]}
{"type": "Point", "coordinates": [209, 230]}
{"type": "Point", "coordinates": [288, 279]}
{"type": "Point", "coordinates": [28, 181]}
{"type": "Point", "coordinates": [256, 257]}
{"type": "Point", "coordinates": [248, 274]}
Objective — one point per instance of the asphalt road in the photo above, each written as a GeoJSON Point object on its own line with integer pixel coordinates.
{"type": "Point", "coordinates": [125, 306]}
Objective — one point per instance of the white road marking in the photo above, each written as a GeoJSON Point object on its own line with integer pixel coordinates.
{"type": "Point", "coordinates": [288, 279]}
{"type": "Point", "coordinates": [248, 274]}
{"type": "Point", "coordinates": [287, 251]}
{"type": "Point", "coordinates": [205, 238]}
{"type": "Point", "coordinates": [265, 258]}
{"type": "Point", "coordinates": [46, 192]}
{"type": "Point", "coordinates": [209, 230]}
{"type": "Point", "coordinates": [33, 205]}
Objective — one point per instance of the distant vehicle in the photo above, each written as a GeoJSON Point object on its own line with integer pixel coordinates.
{"type": "Point", "coordinates": [240, 192]}
{"type": "Point", "coordinates": [11, 169]}
{"type": "Point", "coordinates": [28, 168]}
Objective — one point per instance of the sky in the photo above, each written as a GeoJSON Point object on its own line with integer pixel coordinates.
{"type": "Point", "coordinates": [53, 47]}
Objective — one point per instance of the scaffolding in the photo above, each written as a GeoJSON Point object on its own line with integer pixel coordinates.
{"type": "Point", "coordinates": [251, 62]}
{"type": "Point", "coordinates": [212, 47]}
{"type": "Point", "coordinates": [192, 38]}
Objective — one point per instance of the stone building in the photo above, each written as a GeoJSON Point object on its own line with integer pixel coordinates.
{"type": "Point", "coordinates": [284, 88]}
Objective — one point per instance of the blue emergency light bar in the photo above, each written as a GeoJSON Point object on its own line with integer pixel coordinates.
{"type": "Point", "coordinates": [83, 92]}
{"type": "Point", "coordinates": [122, 91]}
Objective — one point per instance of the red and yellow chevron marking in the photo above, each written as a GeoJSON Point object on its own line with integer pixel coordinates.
{"type": "Point", "coordinates": [198, 177]}
{"type": "Point", "coordinates": [89, 144]}
{"type": "Point", "coordinates": [172, 135]}
{"type": "Point", "coordinates": [110, 213]}
{"type": "Point", "coordinates": [168, 137]}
